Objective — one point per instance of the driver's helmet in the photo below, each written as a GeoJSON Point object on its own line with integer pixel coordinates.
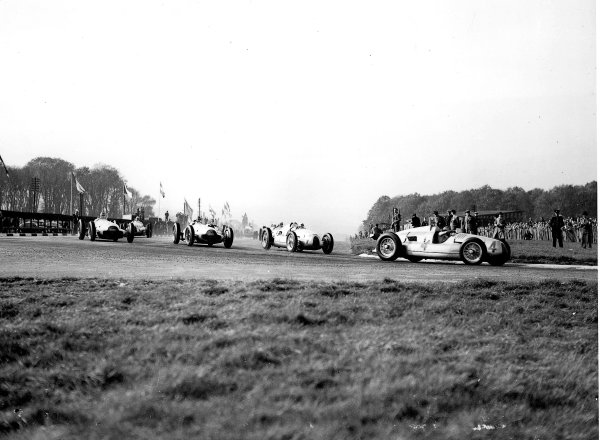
{"type": "Point", "coordinates": [302, 225]}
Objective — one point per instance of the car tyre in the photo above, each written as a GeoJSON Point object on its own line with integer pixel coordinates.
{"type": "Point", "coordinates": [130, 233]}
{"type": "Point", "coordinates": [388, 246]}
{"type": "Point", "coordinates": [499, 260]}
{"type": "Point", "coordinates": [176, 233]}
{"type": "Point", "coordinates": [189, 235]}
{"type": "Point", "coordinates": [327, 243]}
{"type": "Point", "coordinates": [472, 252]}
{"type": "Point", "coordinates": [81, 225]}
{"type": "Point", "coordinates": [266, 239]}
{"type": "Point", "coordinates": [228, 240]}
{"type": "Point", "coordinates": [291, 241]}
{"type": "Point", "coordinates": [92, 231]}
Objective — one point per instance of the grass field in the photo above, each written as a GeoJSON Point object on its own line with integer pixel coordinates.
{"type": "Point", "coordinates": [523, 251]}
{"type": "Point", "coordinates": [280, 359]}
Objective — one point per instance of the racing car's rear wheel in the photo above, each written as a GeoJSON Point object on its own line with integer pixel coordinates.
{"type": "Point", "coordinates": [228, 240]}
{"type": "Point", "coordinates": [266, 239]}
{"type": "Point", "coordinates": [291, 241]}
{"type": "Point", "coordinates": [388, 246]}
{"type": "Point", "coordinates": [149, 230]}
{"type": "Point", "coordinates": [81, 226]}
{"type": "Point", "coordinates": [472, 252]}
{"type": "Point", "coordinates": [130, 233]}
{"type": "Point", "coordinates": [92, 229]}
{"type": "Point", "coordinates": [189, 235]}
{"type": "Point", "coordinates": [327, 243]}
{"type": "Point", "coordinates": [176, 233]}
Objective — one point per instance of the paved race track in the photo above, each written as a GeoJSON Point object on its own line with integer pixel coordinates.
{"type": "Point", "coordinates": [159, 258]}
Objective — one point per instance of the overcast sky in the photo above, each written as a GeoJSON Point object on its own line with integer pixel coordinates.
{"type": "Point", "coordinates": [305, 111]}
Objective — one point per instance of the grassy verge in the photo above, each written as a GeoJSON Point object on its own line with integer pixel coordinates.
{"type": "Point", "coordinates": [523, 251]}
{"type": "Point", "coordinates": [281, 359]}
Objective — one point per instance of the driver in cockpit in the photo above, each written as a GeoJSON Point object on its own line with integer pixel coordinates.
{"type": "Point", "coordinates": [103, 215]}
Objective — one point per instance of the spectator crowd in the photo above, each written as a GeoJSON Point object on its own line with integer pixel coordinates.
{"type": "Point", "coordinates": [582, 229]}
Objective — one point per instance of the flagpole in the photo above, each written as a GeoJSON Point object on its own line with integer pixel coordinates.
{"type": "Point", "coordinates": [71, 207]}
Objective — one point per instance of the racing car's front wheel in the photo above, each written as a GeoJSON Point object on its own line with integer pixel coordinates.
{"type": "Point", "coordinates": [388, 246]}
{"type": "Point", "coordinates": [266, 239]}
{"type": "Point", "coordinates": [228, 240]}
{"type": "Point", "coordinates": [81, 226]}
{"type": "Point", "coordinates": [472, 252]}
{"type": "Point", "coordinates": [176, 233]}
{"type": "Point", "coordinates": [92, 230]}
{"type": "Point", "coordinates": [499, 260]}
{"type": "Point", "coordinates": [291, 241]}
{"type": "Point", "coordinates": [189, 235]}
{"type": "Point", "coordinates": [130, 233]}
{"type": "Point", "coordinates": [327, 243]}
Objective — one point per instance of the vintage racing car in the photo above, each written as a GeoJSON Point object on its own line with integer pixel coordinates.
{"type": "Point", "coordinates": [141, 229]}
{"type": "Point", "coordinates": [416, 244]}
{"type": "Point", "coordinates": [198, 232]}
{"type": "Point", "coordinates": [107, 229]}
{"type": "Point", "coordinates": [295, 238]}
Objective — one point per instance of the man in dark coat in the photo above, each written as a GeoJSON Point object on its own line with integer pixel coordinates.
{"type": "Point", "coordinates": [396, 219]}
{"type": "Point", "coordinates": [415, 221]}
{"type": "Point", "coordinates": [437, 220]}
{"type": "Point", "coordinates": [557, 224]}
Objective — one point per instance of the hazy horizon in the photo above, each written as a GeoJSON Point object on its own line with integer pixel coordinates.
{"type": "Point", "coordinates": [307, 112]}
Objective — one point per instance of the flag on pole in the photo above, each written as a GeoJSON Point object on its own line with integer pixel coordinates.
{"type": "Point", "coordinates": [126, 191]}
{"type": "Point", "coordinates": [80, 189]}
{"type": "Point", "coordinates": [5, 170]}
{"type": "Point", "coordinates": [187, 209]}
{"type": "Point", "coordinates": [162, 193]}
{"type": "Point", "coordinates": [213, 213]}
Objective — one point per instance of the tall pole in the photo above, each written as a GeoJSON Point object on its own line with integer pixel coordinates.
{"type": "Point", "coordinates": [71, 185]}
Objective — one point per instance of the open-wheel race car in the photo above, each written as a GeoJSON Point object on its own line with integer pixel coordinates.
{"type": "Point", "coordinates": [208, 234]}
{"type": "Point", "coordinates": [141, 229]}
{"type": "Point", "coordinates": [106, 229]}
{"type": "Point", "coordinates": [295, 238]}
{"type": "Point", "coordinates": [425, 242]}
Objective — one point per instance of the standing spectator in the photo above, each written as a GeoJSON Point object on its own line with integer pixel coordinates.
{"type": "Point", "coordinates": [376, 232]}
{"type": "Point", "coordinates": [449, 218]}
{"type": "Point", "coordinates": [499, 226]}
{"type": "Point", "coordinates": [166, 216]}
{"type": "Point", "coordinates": [454, 222]}
{"type": "Point", "coordinates": [474, 223]}
{"type": "Point", "coordinates": [556, 225]}
{"type": "Point", "coordinates": [415, 221]}
{"type": "Point", "coordinates": [438, 220]}
{"type": "Point", "coordinates": [76, 221]}
{"type": "Point", "coordinates": [396, 219]}
{"type": "Point", "coordinates": [465, 222]}
{"type": "Point", "coordinates": [587, 237]}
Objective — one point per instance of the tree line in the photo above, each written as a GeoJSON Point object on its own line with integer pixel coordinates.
{"type": "Point", "coordinates": [537, 203]}
{"type": "Point", "coordinates": [103, 186]}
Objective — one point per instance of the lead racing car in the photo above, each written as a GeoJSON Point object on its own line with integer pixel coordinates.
{"type": "Point", "coordinates": [202, 233]}
{"type": "Point", "coordinates": [416, 244]}
{"type": "Point", "coordinates": [295, 238]}
{"type": "Point", "coordinates": [106, 229]}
